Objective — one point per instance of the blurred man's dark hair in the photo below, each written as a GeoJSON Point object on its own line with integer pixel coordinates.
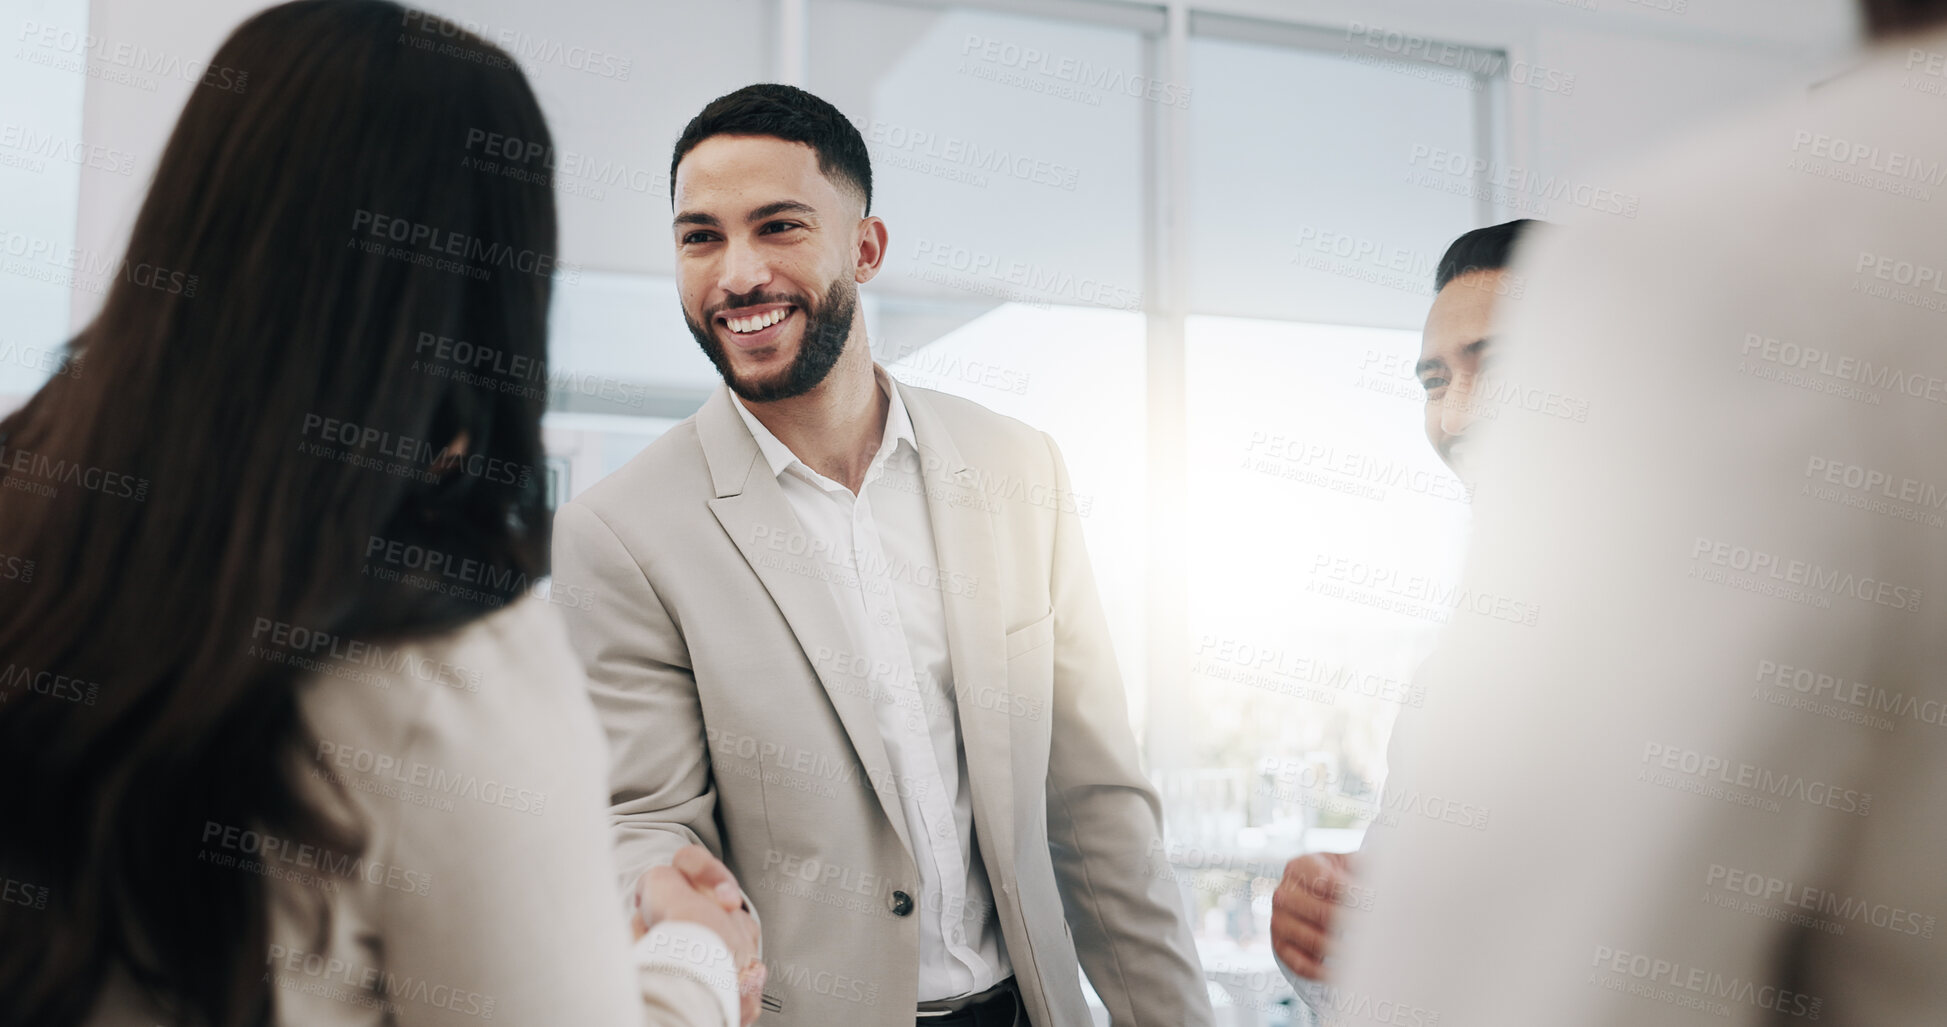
{"type": "Point", "coordinates": [1891, 17]}
{"type": "Point", "coordinates": [788, 113]}
{"type": "Point", "coordinates": [1483, 249]}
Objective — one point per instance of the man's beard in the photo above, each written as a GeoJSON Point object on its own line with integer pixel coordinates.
{"type": "Point", "coordinates": [825, 330]}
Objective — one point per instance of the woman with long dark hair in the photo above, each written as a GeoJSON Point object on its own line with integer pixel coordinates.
{"type": "Point", "coordinates": [284, 738]}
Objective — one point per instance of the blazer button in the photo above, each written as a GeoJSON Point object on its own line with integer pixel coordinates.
{"type": "Point", "coordinates": [902, 903]}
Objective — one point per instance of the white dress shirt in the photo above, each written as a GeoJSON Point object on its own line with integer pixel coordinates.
{"type": "Point", "coordinates": [888, 595]}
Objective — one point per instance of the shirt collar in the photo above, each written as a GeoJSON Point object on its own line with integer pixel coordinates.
{"type": "Point", "coordinates": [899, 428]}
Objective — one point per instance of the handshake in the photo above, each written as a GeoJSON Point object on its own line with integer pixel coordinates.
{"type": "Point", "coordinates": [1304, 911]}
{"type": "Point", "coordinates": [696, 887]}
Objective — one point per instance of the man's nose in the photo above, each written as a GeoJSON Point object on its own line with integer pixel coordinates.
{"type": "Point", "coordinates": [1457, 404]}
{"type": "Point", "coordinates": [744, 269]}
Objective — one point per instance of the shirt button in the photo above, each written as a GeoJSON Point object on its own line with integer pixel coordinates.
{"type": "Point", "coordinates": [902, 903]}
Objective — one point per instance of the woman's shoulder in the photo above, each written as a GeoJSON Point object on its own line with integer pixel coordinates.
{"type": "Point", "coordinates": [511, 662]}
{"type": "Point", "coordinates": [493, 712]}
{"type": "Point", "coordinates": [455, 752]}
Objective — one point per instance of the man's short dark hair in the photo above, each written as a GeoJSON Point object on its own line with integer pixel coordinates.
{"type": "Point", "coordinates": [788, 113]}
{"type": "Point", "coordinates": [1890, 17]}
{"type": "Point", "coordinates": [1483, 249]}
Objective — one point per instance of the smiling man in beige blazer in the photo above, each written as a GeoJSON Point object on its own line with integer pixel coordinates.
{"type": "Point", "coordinates": [844, 633]}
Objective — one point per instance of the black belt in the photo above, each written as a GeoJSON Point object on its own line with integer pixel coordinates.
{"type": "Point", "coordinates": [995, 1007]}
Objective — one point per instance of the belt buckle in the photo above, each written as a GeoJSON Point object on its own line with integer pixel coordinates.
{"type": "Point", "coordinates": [959, 1005]}
{"type": "Point", "coordinates": [966, 1004]}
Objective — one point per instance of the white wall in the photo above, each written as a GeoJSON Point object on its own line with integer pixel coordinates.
{"type": "Point", "coordinates": [42, 149]}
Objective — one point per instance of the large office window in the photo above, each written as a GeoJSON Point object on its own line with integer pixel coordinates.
{"type": "Point", "coordinates": [1314, 227]}
{"type": "Point", "coordinates": [1318, 186]}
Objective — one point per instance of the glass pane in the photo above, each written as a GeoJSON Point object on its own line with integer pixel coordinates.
{"type": "Point", "coordinates": [618, 82]}
{"type": "Point", "coordinates": [1320, 186]}
{"type": "Point", "coordinates": [627, 329]}
{"type": "Point", "coordinates": [1006, 150]}
{"type": "Point", "coordinates": [1324, 540]}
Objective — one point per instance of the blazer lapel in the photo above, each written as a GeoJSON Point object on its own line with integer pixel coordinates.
{"type": "Point", "coordinates": [755, 513]}
{"type": "Point", "coordinates": [963, 539]}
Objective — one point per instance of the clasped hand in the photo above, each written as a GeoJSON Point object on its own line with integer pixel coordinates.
{"type": "Point", "coordinates": [696, 887]}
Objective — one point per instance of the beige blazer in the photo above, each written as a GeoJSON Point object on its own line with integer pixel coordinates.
{"type": "Point", "coordinates": [1709, 783]}
{"type": "Point", "coordinates": [475, 765]}
{"type": "Point", "coordinates": [735, 718]}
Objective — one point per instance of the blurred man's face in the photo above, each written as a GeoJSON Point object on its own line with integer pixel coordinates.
{"type": "Point", "coordinates": [769, 254]}
{"type": "Point", "coordinates": [1453, 353]}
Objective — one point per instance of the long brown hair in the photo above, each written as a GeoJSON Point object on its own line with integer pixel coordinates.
{"type": "Point", "coordinates": [315, 218]}
{"type": "Point", "coordinates": [1892, 17]}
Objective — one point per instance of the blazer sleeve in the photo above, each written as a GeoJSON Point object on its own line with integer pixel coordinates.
{"type": "Point", "coordinates": [661, 793]}
{"type": "Point", "coordinates": [1104, 817]}
{"type": "Point", "coordinates": [497, 800]}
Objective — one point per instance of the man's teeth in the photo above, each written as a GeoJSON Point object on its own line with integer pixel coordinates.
{"type": "Point", "coordinates": [758, 322]}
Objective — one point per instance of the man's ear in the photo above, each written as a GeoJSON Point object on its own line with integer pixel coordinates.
{"type": "Point", "coordinates": [871, 249]}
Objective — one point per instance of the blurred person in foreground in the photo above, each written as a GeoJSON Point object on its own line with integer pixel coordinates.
{"type": "Point", "coordinates": [868, 611]}
{"type": "Point", "coordinates": [1455, 348]}
{"type": "Point", "coordinates": [256, 774]}
{"type": "Point", "coordinates": [1714, 765]}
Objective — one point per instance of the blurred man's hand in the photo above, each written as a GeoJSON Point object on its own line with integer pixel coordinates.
{"type": "Point", "coordinates": [1302, 911]}
{"type": "Point", "coordinates": [697, 887]}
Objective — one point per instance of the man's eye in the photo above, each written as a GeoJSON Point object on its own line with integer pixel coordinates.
{"type": "Point", "coordinates": [1431, 384]}
{"type": "Point", "coordinates": [780, 226]}
{"type": "Point", "coordinates": [692, 238]}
